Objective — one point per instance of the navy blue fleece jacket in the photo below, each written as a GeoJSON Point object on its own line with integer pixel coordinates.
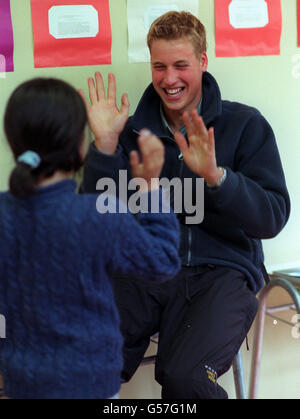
{"type": "Point", "coordinates": [253, 202]}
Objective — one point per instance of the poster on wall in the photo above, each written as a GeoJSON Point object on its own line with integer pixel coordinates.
{"type": "Point", "coordinates": [71, 32]}
{"type": "Point", "coordinates": [6, 39]}
{"type": "Point", "coordinates": [140, 15]}
{"type": "Point", "coordinates": [247, 27]}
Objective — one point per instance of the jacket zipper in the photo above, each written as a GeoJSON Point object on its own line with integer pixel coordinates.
{"type": "Point", "coordinates": [167, 138]}
{"type": "Point", "coordinates": [189, 255]}
{"type": "Point", "coordinates": [189, 250]}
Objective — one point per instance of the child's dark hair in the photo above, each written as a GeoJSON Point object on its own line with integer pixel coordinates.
{"type": "Point", "coordinates": [46, 116]}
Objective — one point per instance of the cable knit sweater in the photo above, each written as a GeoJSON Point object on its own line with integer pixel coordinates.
{"type": "Point", "coordinates": [57, 254]}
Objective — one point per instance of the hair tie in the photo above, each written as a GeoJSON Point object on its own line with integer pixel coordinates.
{"type": "Point", "coordinates": [31, 158]}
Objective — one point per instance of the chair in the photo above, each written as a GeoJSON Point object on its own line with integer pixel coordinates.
{"type": "Point", "coordinates": [292, 286]}
{"type": "Point", "coordinates": [237, 366]}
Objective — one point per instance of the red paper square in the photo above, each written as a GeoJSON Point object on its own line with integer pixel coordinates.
{"type": "Point", "coordinates": [232, 42]}
{"type": "Point", "coordinates": [51, 52]}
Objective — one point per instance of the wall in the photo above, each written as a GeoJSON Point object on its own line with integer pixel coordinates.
{"type": "Point", "coordinates": [271, 83]}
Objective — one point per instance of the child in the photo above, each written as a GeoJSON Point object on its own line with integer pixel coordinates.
{"type": "Point", "coordinates": [58, 253]}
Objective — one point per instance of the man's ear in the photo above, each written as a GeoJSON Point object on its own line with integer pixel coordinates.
{"type": "Point", "coordinates": [203, 61]}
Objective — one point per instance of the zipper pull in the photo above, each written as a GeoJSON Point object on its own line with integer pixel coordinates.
{"type": "Point", "coordinates": [180, 156]}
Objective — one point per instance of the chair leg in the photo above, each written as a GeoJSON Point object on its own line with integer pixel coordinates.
{"type": "Point", "coordinates": [258, 341]}
{"type": "Point", "coordinates": [259, 327]}
{"type": "Point", "coordinates": [238, 374]}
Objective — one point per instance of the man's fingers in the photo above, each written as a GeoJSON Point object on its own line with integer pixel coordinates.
{"type": "Point", "coordinates": [199, 126]}
{"type": "Point", "coordinates": [111, 89]}
{"type": "Point", "coordinates": [99, 86]}
{"type": "Point", "coordinates": [92, 91]}
{"type": "Point", "coordinates": [211, 138]}
{"type": "Point", "coordinates": [181, 141]}
{"type": "Point", "coordinates": [195, 126]}
{"type": "Point", "coordinates": [125, 105]}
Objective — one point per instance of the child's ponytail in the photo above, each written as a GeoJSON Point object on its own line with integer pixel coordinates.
{"type": "Point", "coordinates": [22, 179]}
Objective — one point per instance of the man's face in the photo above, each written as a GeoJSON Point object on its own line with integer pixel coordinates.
{"type": "Point", "coordinates": [177, 74]}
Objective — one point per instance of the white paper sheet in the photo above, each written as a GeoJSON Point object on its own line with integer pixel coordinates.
{"type": "Point", "coordinates": [78, 21]}
{"type": "Point", "coordinates": [248, 14]}
{"type": "Point", "coordinates": [154, 12]}
{"type": "Point", "coordinates": [140, 15]}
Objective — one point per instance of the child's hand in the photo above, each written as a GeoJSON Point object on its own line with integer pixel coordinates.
{"type": "Point", "coordinates": [153, 156]}
{"type": "Point", "coordinates": [105, 119]}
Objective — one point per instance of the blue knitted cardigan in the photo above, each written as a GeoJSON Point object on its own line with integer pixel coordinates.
{"type": "Point", "coordinates": [57, 255]}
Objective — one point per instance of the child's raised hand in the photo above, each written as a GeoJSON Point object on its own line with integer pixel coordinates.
{"type": "Point", "coordinates": [153, 157]}
{"type": "Point", "coordinates": [106, 120]}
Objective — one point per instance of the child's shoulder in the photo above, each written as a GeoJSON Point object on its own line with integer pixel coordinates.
{"type": "Point", "coordinates": [97, 209]}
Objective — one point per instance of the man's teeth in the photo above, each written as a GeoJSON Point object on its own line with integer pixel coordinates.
{"type": "Point", "coordinates": [173, 92]}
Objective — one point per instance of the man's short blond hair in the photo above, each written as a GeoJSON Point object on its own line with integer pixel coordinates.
{"type": "Point", "coordinates": [178, 25]}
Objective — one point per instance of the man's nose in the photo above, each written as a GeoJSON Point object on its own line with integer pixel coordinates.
{"type": "Point", "coordinates": [170, 77]}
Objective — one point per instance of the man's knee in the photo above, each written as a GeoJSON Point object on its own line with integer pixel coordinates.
{"type": "Point", "coordinates": [204, 386]}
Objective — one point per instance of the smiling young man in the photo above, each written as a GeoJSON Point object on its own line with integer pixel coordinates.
{"type": "Point", "coordinates": [204, 313]}
{"type": "Point", "coordinates": [177, 77]}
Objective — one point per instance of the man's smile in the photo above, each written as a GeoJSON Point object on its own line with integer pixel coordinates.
{"type": "Point", "coordinates": [174, 93]}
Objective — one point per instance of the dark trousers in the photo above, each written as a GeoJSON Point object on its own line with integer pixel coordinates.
{"type": "Point", "coordinates": [202, 316]}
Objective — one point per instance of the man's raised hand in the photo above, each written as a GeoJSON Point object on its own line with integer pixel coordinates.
{"type": "Point", "coordinates": [106, 120]}
{"type": "Point", "coordinates": [199, 153]}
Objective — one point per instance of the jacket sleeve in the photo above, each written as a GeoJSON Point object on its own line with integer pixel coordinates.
{"type": "Point", "coordinates": [147, 244]}
{"type": "Point", "coordinates": [98, 165]}
{"type": "Point", "coordinates": [254, 196]}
